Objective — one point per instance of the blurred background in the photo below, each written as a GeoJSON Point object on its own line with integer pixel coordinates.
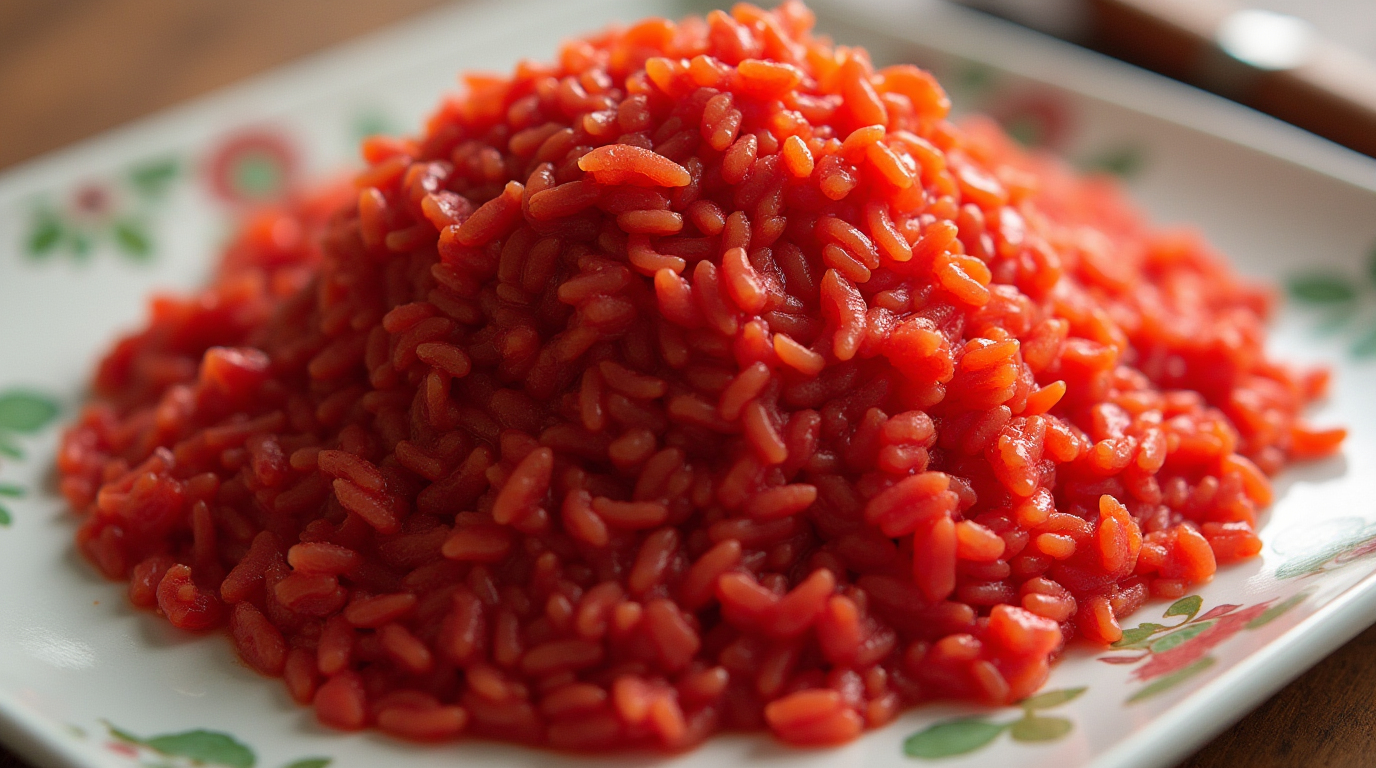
{"type": "Point", "coordinates": [70, 69]}
{"type": "Point", "coordinates": [1308, 62]}
{"type": "Point", "coordinates": [73, 68]}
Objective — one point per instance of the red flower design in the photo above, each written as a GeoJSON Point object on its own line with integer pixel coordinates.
{"type": "Point", "coordinates": [1195, 648]}
{"type": "Point", "coordinates": [92, 199]}
{"type": "Point", "coordinates": [254, 165]}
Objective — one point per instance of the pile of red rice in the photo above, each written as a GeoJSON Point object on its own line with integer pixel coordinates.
{"type": "Point", "coordinates": [707, 378]}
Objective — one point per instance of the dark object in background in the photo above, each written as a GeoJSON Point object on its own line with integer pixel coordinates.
{"type": "Point", "coordinates": [1273, 62]}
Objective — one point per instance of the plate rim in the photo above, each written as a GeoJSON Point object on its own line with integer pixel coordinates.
{"type": "Point", "coordinates": [1178, 731]}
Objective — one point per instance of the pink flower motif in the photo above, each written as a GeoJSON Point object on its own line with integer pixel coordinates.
{"type": "Point", "coordinates": [92, 202]}
{"type": "Point", "coordinates": [1197, 647]}
{"type": "Point", "coordinates": [119, 747]}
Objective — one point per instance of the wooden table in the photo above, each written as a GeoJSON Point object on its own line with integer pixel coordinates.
{"type": "Point", "coordinates": [73, 68]}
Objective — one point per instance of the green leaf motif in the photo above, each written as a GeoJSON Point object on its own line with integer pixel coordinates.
{"type": "Point", "coordinates": [25, 412]}
{"type": "Point", "coordinates": [1026, 130]}
{"type": "Point", "coordinates": [1052, 698]}
{"type": "Point", "coordinates": [1337, 319]}
{"type": "Point", "coordinates": [1365, 346]}
{"type": "Point", "coordinates": [1321, 288]}
{"type": "Point", "coordinates": [1040, 728]}
{"type": "Point", "coordinates": [5, 518]}
{"type": "Point", "coordinates": [1173, 679]}
{"type": "Point", "coordinates": [1179, 637]}
{"type": "Point", "coordinates": [1133, 637]}
{"type": "Point", "coordinates": [952, 737]}
{"type": "Point", "coordinates": [152, 178]}
{"type": "Point", "coordinates": [47, 233]}
{"type": "Point", "coordinates": [203, 746]}
{"type": "Point", "coordinates": [371, 122]}
{"type": "Point", "coordinates": [1123, 162]}
{"type": "Point", "coordinates": [13, 491]}
{"type": "Point", "coordinates": [311, 762]}
{"type": "Point", "coordinates": [133, 239]}
{"type": "Point", "coordinates": [1274, 612]}
{"type": "Point", "coordinates": [1185, 606]}
{"type": "Point", "coordinates": [80, 244]}
{"type": "Point", "coordinates": [975, 78]}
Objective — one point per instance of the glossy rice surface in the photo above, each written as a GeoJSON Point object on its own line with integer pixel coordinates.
{"type": "Point", "coordinates": [707, 377]}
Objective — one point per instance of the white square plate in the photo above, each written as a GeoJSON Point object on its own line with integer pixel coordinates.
{"type": "Point", "coordinates": [86, 233]}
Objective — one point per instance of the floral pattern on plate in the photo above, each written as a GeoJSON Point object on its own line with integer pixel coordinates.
{"type": "Point", "coordinates": [949, 738]}
{"type": "Point", "coordinates": [248, 166]}
{"type": "Point", "coordinates": [23, 413]}
{"type": "Point", "coordinates": [1172, 653]}
{"type": "Point", "coordinates": [115, 211]}
{"type": "Point", "coordinates": [188, 749]}
{"type": "Point", "coordinates": [1343, 302]}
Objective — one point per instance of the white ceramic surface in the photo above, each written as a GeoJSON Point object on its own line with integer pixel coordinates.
{"type": "Point", "coordinates": [86, 233]}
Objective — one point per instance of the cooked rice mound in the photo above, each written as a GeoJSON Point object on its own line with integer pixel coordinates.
{"type": "Point", "coordinates": [707, 378]}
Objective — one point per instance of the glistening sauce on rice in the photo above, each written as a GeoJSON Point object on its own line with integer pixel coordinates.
{"type": "Point", "coordinates": [705, 379]}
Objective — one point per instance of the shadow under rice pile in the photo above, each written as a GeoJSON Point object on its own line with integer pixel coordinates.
{"type": "Point", "coordinates": [705, 378]}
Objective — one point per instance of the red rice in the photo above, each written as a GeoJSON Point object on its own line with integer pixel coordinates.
{"type": "Point", "coordinates": [706, 378]}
